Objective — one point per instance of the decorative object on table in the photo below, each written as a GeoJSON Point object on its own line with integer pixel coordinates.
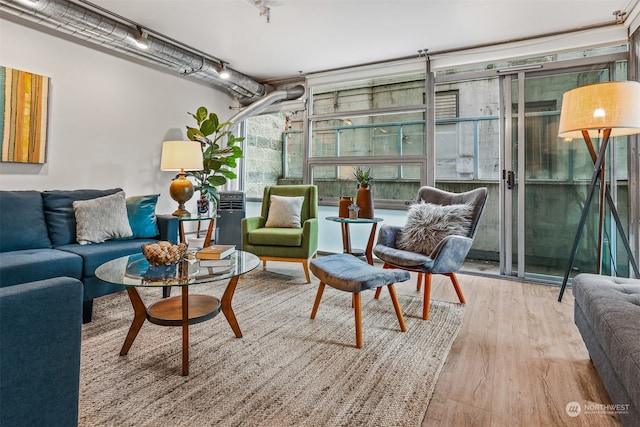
{"type": "Point", "coordinates": [219, 157]}
{"type": "Point", "coordinates": [353, 211]}
{"type": "Point", "coordinates": [222, 262]}
{"type": "Point", "coordinates": [196, 243]}
{"type": "Point", "coordinates": [364, 197]}
{"type": "Point", "coordinates": [218, 266]}
{"type": "Point", "coordinates": [164, 253]}
{"type": "Point", "coordinates": [181, 156]}
{"type": "Point", "coordinates": [25, 104]}
{"type": "Point", "coordinates": [203, 206]}
{"type": "Point", "coordinates": [343, 209]}
{"type": "Point", "coordinates": [216, 252]}
{"type": "Point", "coordinates": [601, 110]}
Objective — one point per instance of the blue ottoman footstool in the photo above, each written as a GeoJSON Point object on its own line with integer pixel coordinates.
{"type": "Point", "coordinates": [347, 273]}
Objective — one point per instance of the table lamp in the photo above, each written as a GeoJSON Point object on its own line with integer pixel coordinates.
{"type": "Point", "coordinates": [600, 110]}
{"type": "Point", "coordinates": [181, 156]}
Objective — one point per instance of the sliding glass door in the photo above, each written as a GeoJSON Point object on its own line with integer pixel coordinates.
{"type": "Point", "coordinates": [545, 179]}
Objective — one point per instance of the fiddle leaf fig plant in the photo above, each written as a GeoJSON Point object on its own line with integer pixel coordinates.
{"type": "Point", "coordinates": [219, 156]}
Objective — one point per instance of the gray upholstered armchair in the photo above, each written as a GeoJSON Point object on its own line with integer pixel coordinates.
{"type": "Point", "coordinates": [446, 254]}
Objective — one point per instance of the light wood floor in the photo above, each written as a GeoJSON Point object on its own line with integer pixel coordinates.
{"type": "Point", "coordinates": [518, 360]}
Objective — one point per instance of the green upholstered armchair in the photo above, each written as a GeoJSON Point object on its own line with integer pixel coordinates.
{"type": "Point", "coordinates": [284, 244]}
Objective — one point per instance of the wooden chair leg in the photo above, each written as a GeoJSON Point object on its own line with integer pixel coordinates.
{"type": "Point", "coordinates": [316, 304]}
{"type": "Point", "coordinates": [396, 306]}
{"type": "Point", "coordinates": [305, 265]}
{"type": "Point", "coordinates": [378, 290]}
{"type": "Point", "coordinates": [456, 286]}
{"type": "Point", "coordinates": [427, 296]}
{"type": "Point", "coordinates": [419, 282]}
{"type": "Point", "coordinates": [358, 316]}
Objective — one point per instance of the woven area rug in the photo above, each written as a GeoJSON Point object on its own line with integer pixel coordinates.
{"type": "Point", "coordinates": [286, 370]}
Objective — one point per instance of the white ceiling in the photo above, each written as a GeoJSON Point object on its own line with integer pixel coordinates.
{"type": "Point", "coordinates": [316, 35]}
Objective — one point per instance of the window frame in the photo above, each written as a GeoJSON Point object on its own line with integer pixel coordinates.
{"type": "Point", "coordinates": [348, 161]}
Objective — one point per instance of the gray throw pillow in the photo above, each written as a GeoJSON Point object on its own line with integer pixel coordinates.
{"type": "Point", "coordinates": [428, 224]}
{"type": "Point", "coordinates": [101, 219]}
{"type": "Point", "coordinates": [284, 212]}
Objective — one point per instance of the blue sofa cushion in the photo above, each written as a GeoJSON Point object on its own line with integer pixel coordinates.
{"type": "Point", "coordinates": [141, 211]}
{"type": "Point", "coordinates": [22, 223]}
{"type": "Point", "coordinates": [94, 256]}
{"type": "Point", "coordinates": [58, 210]}
{"type": "Point", "coordinates": [41, 328]}
{"type": "Point", "coordinates": [29, 265]}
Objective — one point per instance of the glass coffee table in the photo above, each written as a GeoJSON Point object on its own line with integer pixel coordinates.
{"type": "Point", "coordinates": [133, 271]}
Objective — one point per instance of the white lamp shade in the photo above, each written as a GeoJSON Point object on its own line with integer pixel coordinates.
{"type": "Point", "coordinates": [181, 155]}
{"type": "Point", "coordinates": [600, 106]}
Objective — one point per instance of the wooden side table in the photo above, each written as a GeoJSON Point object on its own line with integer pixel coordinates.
{"type": "Point", "coordinates": [212, 225]}
{"type": "Point", "coordinates": [346, 237]}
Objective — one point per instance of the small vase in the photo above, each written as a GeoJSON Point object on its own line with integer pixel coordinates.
{"type": "Point", "coordinates": [343, 210]}
{"type": "Point", "coordinates": [353, 211]}
{"type": "Point", "coordinates": [364, 200]}
{"type": "Point", "coordinates": [203, 206]}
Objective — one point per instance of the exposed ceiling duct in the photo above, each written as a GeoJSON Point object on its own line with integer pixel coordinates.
{"type": "Point", "coordinates": [96, 25]}
{"type": "Point", "coordinates": [259, 105]}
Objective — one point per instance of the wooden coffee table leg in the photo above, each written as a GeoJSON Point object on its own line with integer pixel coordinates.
{"type": "Point", "coordinates": [185, 330]}
{"type": "Point", "coordinates": [140, 315]}
{"type": "Point", "coordinates": [226, 306]}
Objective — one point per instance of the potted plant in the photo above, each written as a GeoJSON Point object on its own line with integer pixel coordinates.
{"type": "Point", "coordinates": [219, 157]}
{"type": "Point", "coordinates": [364, 197]}
{"type": "Point", "coordinates": [363, 177]}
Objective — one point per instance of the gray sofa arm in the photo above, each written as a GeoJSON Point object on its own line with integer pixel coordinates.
{"type": "Point", "coordinates": [41, 327]}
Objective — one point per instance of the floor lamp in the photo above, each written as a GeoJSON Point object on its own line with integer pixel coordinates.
{"type": "Point", "coordinates": [601, 110]}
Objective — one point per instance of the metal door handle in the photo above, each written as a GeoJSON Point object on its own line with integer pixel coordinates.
{"type": "Point", "coordinates": [510, 176]}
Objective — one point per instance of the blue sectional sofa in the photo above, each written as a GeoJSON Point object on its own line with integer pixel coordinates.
{"type": "Point", "coordinates": [40, 334]}
{"type": "Point", "coordinates": [607, 313]}
{"type": "Point", "coordinates": [38, 238]}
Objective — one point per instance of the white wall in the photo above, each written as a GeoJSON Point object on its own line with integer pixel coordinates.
{"type": "Point", "coordinates": [108, 116]}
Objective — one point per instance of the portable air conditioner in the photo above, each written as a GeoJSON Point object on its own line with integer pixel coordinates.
{"type": "Point", "coordinates": [231, 210]}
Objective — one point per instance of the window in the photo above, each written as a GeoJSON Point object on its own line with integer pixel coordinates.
{"type": "Point", "coordinates": [376, 123]}
{"type": "Point", "coordinates": [273, 150]}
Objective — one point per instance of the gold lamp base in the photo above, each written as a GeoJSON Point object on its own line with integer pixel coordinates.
{"type": "Point", "coordinates": [181, 190]}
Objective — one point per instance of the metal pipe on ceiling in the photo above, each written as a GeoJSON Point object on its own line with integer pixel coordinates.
{"type": "Point", "coordinates": [258, 105]}
{"type": "Point", "coordinates": [95, 26]}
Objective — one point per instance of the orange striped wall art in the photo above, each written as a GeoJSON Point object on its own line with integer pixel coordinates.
{"type": "Point", "coordinates": [23, 117]}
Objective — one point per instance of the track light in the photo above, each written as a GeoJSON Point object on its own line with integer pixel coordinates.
{"type": "Point", "coordinates": [30, 3]}
{"type": "Point", "coordinates": [142, 41]}
{"type": "Point", "coordinates": [224, 73]}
